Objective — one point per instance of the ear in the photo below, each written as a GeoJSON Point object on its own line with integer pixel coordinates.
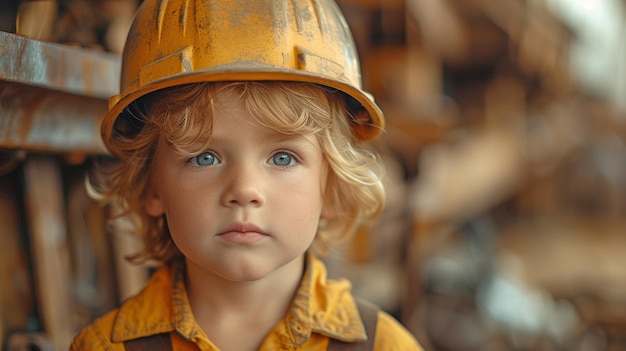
{"type": "Point", "coordinates": [328, 207]}
{"type": "Point", "coordinates": [153, 203]}
{"type": "Point", "coordinates": [328, 211]}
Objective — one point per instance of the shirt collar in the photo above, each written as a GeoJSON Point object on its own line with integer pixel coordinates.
{"type": "Point", "coordinates": [323, 306]}
{"type": "Point", "coordinates": [319, 305]}
{"type": "Point", "coordinates": [161, 307]}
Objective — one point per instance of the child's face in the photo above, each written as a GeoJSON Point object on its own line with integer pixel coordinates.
{"type": "Point", "coordinates": [248, 205]}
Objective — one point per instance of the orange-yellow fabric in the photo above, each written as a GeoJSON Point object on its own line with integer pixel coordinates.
{"type": "Point", "coordinates": [321, 309]}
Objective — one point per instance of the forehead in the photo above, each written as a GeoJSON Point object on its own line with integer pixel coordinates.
{"type": "Point", "coordinates": [280, 110]}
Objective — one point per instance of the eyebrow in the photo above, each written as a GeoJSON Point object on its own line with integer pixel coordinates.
{"type": "Point", "coordinates": [186, 144]}
{"type": "Point", "coordinates": [283, 137]}
{"type": "Point", "coordinates": [279, 137]}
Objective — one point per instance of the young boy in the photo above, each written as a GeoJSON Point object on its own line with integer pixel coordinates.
{"type": "Point", "coordinates": [238, 130]}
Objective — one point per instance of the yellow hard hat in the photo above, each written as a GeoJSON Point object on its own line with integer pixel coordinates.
{"type": "Point", "coordinates": [174, 42]}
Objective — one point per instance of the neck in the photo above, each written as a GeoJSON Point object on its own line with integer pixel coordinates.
{"type": "Point", "coordinates": [265, 300]}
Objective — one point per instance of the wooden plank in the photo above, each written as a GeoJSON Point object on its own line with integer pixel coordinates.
{"type": "Point", "coordinates": [39, 119]}
{"type": "Point", "coordinates": [49, 248]}
{"type": "Point", "coordinates": [16, 299]}
{"type": "Point", "coordinates": [58, 67]}
{"type": "Point", "coordinates": [35, 19]}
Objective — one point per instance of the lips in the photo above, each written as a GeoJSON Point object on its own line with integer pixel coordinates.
{"type": "Point", "coordinates": [242, 233]}
{"type": "Point", "coordinates": [243, 228]}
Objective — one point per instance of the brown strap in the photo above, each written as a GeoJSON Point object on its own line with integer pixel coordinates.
{"type": "Point", "coordinates": [369, 316]}
{"type": "Point", "coordinates": [156, 342]}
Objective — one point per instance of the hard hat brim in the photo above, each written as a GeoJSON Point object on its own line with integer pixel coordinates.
{"type": "Point", "coordinates": [364, 131]}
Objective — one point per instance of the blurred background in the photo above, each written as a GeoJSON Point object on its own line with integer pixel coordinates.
{"type": "Point", "coordinates": [505, 226]}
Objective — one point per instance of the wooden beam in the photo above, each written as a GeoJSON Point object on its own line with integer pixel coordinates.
{"type": "Point", "coordinates": [49, 248]}
{"type": "Point", "coordinates": [58, 67]}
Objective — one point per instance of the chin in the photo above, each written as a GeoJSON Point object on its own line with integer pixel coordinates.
{"type": "Point", "coordinates": [250, 270]}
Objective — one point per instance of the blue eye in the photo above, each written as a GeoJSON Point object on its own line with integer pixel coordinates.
{"type": "Point", "coordinates": [204, 159]}
{"type": "Point", "coordinates": [283, 159]}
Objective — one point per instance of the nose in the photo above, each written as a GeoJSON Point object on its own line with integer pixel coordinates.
{"type": "Point", "coordinates": [244, 187]}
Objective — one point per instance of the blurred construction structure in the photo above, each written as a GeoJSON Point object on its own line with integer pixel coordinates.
{"type": "Point", "coordinates": [505, 150]}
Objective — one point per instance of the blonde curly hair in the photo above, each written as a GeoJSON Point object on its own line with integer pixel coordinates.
{"type": "Point", "coordinates": [183, 116]}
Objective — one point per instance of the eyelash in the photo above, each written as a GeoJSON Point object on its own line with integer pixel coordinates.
{"type": "Point", "coordinates": [194, 160]}
{"type": "Point", "coordinates": [295, 159]}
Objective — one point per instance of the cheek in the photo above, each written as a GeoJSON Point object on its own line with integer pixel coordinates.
{"type": "Point", "coordinates": [187, 226]}
{"type": "Point", "coordinates": [306, 202]}
{"type": "Point", "coordinates": [186, 205]}
{"type": "Point", "coordinates": [184, 209]}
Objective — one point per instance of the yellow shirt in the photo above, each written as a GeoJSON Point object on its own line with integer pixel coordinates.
{"type": "Point", "coordinates": [321, 309]}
